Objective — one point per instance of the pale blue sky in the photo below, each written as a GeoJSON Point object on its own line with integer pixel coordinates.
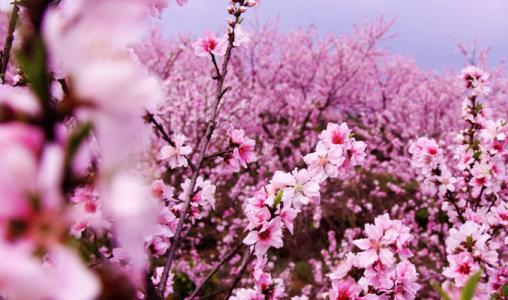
{"type": "Point", "coordinates": [425, 29]}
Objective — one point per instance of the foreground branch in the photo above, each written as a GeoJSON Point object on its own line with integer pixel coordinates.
{"type": "Point", "coordinates": [170, 255]}
{"type": "Point", "coordinates": [9, 39]}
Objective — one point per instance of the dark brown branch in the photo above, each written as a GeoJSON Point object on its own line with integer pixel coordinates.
{"type": "Point", "coordinates": [453, 201]}
{"type": "Point", "coordinates": [219, 153]}
{"type": "Point", "coordinates": [247, 257]}
{"type": "Point", "coordinates": [225, 259]}
{"type": "Point", "coordinates": [149, 118]}
{"type": "Point", "coordinates": [9, 39]}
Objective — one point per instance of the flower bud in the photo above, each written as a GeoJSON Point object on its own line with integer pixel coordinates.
{"type": "Point", "coordinates": [243, 9]}
{"type": "Point", "coordinates": [231, 10]}
{"type": "Point", "coordinates": [251, 3]}
{"type": "Point", "coordinates": [231, 22]}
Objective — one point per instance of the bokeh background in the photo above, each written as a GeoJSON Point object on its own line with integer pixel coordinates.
{"type": "Point", "coordinates": [425, 29]}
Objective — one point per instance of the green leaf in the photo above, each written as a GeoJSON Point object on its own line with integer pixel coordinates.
{"type": "Point", "coordinates": [77, 137]}
{"type": "Point", "coordinates": [469, 288]}
{"type": "Point", "coordinates": [182, 286]}
{"type": "Point", "coordinates": [32, 60]}
{"type": "Point", "coordinates": [444, 295]}
{"type": "Point", "coordinates": [278, 199]}
{"type": "Point", "coordinates": [422, 217]}
{"type": "Point", "coordinates": [504, 290]}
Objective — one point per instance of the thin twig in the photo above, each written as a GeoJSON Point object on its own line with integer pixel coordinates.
{"type": "Point", "coordinates": [149, 117]}
{"type": "Point", "coordinates": [9, 39]}
{"type": "Point", "coordinates": [213, 294]}
{"type": "Point", "coordinates": [246, 260]}
{"type": "Point", "coordinates": [452, 200]}
{"type": "Point", "coordinates": [225, 259]}
{"type": "Point", "coordinates": [219, 153]}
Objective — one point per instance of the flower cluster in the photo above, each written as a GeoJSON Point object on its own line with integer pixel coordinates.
{"type": "Point", "coordinates": [275, 206]}
{"type": "Point", "coordinates": [474, 198]}
{"type": "Point", "coordinates": [469, 250]}
{"type": "Point", "coordinates": [336, 152]}
{"type": "Point", "coordinates": [241, 151]}
{"type": "Point", "coordinates": [217, 46]}
{"type": "Point", "coordinates": [381, 269]}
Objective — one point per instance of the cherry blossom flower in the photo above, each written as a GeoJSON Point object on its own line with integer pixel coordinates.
{"type": "Point", "coordinates": [243, 150]}
{"type": "Point", "coordinates": [161, 190]}
{"type": "Point", "coordinates": [242, 38]}
{"type": "Point", "coordinates": [446, 182]}
{"type": "Point", "coordinates": [204, 193]}
{"type": "Point", "coordinates": [405, 281]}
{"type": "Point", "coordinates": [209, 44]}
{"type": "Point", "coordinates": [427, 154]}
{"type": "Point", "coordinates": [62, 276]}
{"type": "Point", "coordinates": [476, 79]}
{"type": "Point", "coordinates": [87, 212]}
{"type": "Point", "coordinates": [325, 161]}
{"type": "Point", "coordinates": [288, 215]}
{"type": "Point", "coordinates": [462, 266]}
{"type": "Point", "coordinates": [344, 289]}
{"type": "Point", "coordinates": [377, 245]}
{"type": "Point", "coordinates": [134, 213]}
{"type": "Point", "coordinates": [270, 235]}
{"type": "Point", "coordinates": [335, 134]}
{"type": "Point", "coordinates": [298, 187]}
{"type": "Point", "coordinates": [176, 155]}
{"type": "Point", "coordinates": [247, 294]}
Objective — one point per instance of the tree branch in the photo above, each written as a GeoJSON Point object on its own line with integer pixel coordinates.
{"type": "Point", "coordinates": [246, 260]}
{"type": "Point", "coordinates": [149, 118]}
{"type": "Point", "coordinates": [170, 254]}
{"type": "Point", "coordinates": [225, 259]}
{"type": "Point", "coordinates": [9, 39]}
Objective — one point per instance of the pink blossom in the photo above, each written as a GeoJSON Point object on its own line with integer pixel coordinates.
{"type": "Point", "coordinates": [19, 99]}
{"type": "Point", "coordinates": [377, 245]}
{"type": "Point", "coordinates": [446, 182]}
{"type": "Point", "coordinates": [476, 79]}
{"type": "Point", "coordinates": [270, 235]}
{"type": "Point", "coordinates": [405, 281]}
{"type": "Point", "coordinates": [63, 276]}
{"type": "Point", "coordinates": [325, 161]}
{"type": "Point", "coordinates": [87, 211]}
{"type": "Point", "coordinates": [204, 195]}
{"type": "Point", "coordinates": [344, 290]}
{"type": "Point", "coordinates": [161, 190]}
{"type": "Point", "coordinates": [243, 149]}
{"type": "Point", "coordinates": [175, 155]}
{"type": "Point", "coordinates": [426, 154]}
{"type": "Point", "coordinates": [469, 235]}
{"type": "Point", "coordinates": [247, 294]}
{"type": "Point", "coordinates": [288, 215]}
{"type": "Point", "coordinates": [335, 134]}
{"type": "Point", "coordinates": [344, 267]}
{"type": "Point", "coordinates": [242, 37]}
{"type": "Point", "coordinates": [462, 266]}
{"type": "Point", "coordinates": [298, 187]}
{"type": "Point", "coordinates": [209, 44]}
{"type": "Point", "coordinates": [134, 213]}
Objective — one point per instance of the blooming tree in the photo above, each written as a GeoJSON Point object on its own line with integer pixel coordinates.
{"type": "Point", "coordinates": [242, 164]}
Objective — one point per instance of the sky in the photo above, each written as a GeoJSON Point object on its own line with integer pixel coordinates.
{"type": "Point", "coordinates": [424, 29]}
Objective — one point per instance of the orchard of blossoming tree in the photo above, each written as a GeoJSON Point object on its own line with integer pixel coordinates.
{"type": "Point", "coordinates": [242, 164]}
